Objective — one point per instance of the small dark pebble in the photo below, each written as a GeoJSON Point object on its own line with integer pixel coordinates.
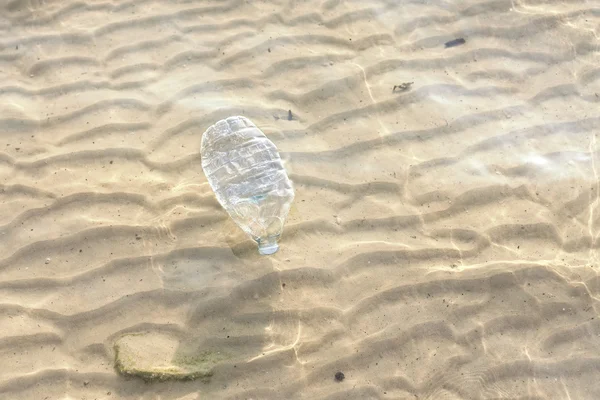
{"type": "Point", "coordinates": [283, 284]}
{"type": "Point", "coordinates": [85, 383]}
{"type": "Point", "coordinates": [17, 47]}
{"type": "Point", "coordinates": [455, 42]}
{"type": "Point", "coordinates": [339, 376]}
{"type": "Point", "coordinates": [269, 49]}
{"type": "Point", "coordinates": [290, 116]}
{"type": "Point", "coordinates": [111, 162]}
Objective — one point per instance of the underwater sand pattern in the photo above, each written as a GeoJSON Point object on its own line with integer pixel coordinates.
{"type": "Point", "coordinates": [443, 242]}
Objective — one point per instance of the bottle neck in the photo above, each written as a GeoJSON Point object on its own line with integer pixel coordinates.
{"type": "Point", "coordinates": [267, 245]}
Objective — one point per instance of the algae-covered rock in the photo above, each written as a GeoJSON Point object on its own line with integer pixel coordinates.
{"type": "Point", "coordinates": [158, 357]}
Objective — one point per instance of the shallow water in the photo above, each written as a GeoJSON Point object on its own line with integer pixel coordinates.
{"type": "Point", "coordinates": [443, 242]}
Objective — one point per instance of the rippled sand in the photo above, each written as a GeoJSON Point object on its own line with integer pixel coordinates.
{"type": "Point", "coordinates": [443, 243]}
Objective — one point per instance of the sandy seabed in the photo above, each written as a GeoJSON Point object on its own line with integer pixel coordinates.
{"type": "Point", "coordinates": [443, 243]}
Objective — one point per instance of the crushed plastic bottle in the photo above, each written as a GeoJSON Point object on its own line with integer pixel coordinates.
{"type": "Point", "coordinates": [247, 175]}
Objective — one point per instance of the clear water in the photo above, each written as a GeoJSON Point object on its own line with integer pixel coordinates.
{"type": "Point", "coordinates": [442, 244]}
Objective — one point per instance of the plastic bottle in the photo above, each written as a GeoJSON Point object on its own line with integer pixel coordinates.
{"type": "Point", "coordinates": [245, 171]}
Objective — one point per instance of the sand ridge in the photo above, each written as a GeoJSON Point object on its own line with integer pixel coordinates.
{"type": "Point", "coordinates": [443, 242]}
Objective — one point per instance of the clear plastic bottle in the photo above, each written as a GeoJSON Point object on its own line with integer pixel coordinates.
{"type": "Point", "coordinates": [247, 175]}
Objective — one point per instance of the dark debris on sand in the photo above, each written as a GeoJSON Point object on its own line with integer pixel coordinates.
{"type": "Point", "coordinates": [402, 87]}
{"type": "Point", "coordinates": [455, 42]}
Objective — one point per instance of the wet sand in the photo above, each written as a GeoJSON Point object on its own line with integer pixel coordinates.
{"type": "Point", "coordinates": [443, 242]}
